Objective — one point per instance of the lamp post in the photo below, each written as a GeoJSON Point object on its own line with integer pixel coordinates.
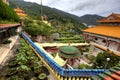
{"type": "Point", "coordinates": [107, 59]}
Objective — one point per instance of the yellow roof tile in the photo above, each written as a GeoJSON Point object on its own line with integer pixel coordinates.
{"type": "Point", "coordinates": [112, 31]}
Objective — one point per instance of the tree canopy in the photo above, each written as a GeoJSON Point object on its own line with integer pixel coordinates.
{"type": "Point", "coordinates": [37, 27]}
{"type": "Point", "coordinates": [54, 16]}
{"type": "Point", "coordinates": [7, 13]}
{"type": "Point", "coordinates": [101, 60]}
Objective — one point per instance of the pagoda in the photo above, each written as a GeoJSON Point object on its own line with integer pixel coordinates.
{"type": "Point", "coordinates": [20, 12]}
{"type": "Point", "coordinates": [70, 53]}
{"type": "Point", "coordinates": [106, 35]}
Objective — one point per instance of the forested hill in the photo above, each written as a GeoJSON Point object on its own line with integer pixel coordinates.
{"type": "Point", "coordinates": [90, 19]}
{"type": "Point", "coordinates": [56, 17]}
{"type": "Point", "coordinates": [35, 9]}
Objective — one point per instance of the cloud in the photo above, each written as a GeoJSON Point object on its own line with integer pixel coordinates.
{"type": "Point", "coordinates": [86, 5]}
{"type": "Point", "coordinates": [82, 7]}
{"type": "Point", "coordinates": [101, 7]}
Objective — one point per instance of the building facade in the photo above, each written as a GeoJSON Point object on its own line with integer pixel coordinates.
{"type": "Point", "coordinates": [106, 35]}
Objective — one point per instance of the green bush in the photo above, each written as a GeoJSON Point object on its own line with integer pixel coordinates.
{"type": "Point", "coordinates": [37, 28]}
{"type": "Point", "coordinates": [101, 60]}
{"type": "Point", "coordinates": [84, 66]}
{"type": "Point", "coordinates": [7, 13]}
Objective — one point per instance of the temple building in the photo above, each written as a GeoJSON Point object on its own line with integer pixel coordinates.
{"type": "Point", "coordinates": [106, 35]}
{"type": "Point", "coordinates": [20, 12]}
{"type": "Point", "coordinates": [8, 30]}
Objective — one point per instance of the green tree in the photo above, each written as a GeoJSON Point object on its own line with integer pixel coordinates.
{"type": "Point", "coordinates": [35, 28]}
{"type": "Point", "coordinates": [6, 13]}
{"type": "Point", "coordinates": [101, 60]}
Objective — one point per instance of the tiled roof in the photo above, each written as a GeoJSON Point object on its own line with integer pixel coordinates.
{"type": "Point", "coordinates": [20, 12]}
{"type": "Point", "coordinates": [112, 74]}
{"type": "Point", "coordinates": [111, 31]}
{"type": "Point", "coordinates": [111, 18]}
{"type": "Point", "coordinates": [2, 26]}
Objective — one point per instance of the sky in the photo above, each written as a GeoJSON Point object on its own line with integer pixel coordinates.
{"type": "Point", "coordinates": [82, 7]}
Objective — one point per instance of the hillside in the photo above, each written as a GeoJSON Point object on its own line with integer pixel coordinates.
{"type": "Point", "coordinates": [7, 14]}
{"type": "Point", "coordinates": [54, 16]}
{"type": "Point", "coordinates": [90, 19]}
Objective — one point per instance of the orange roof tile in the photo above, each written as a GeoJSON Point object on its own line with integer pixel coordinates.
{"type": "Point", "coordinates": [8, 25]}
{"type": "Point", "coordinates": [111, 31]}
{"type": "Point", "coordinates": [18, 10]}
{"type": "Point", "coordinates": [111, 18]}
{"type": "Point", "coordinates": [22, 14]}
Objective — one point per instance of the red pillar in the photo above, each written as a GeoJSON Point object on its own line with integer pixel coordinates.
{"type": "Point", "coordinates": [118, 49]}
{"type": "Point", "coordinates": [72, 61]}
{"type": "Point", "coordinates": [108, 43]}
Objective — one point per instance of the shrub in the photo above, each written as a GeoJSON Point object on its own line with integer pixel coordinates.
{"type": "Point", "coordinates": [101, 60]}
{"type": "Point", "coordinates": [84, 66]}
{"type": "Point", "coordinates": [7, 13]}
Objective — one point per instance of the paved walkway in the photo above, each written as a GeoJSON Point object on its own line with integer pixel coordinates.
{"type": "Point", "coordinates": [4, 50]}
{"type": "Point", "coordinates": [51, 77]}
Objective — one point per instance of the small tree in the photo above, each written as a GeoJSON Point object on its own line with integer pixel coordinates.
{"type": "Point", "coordinates": [101, 60]}
{"type": "Point", "coordinates": [37, 29]}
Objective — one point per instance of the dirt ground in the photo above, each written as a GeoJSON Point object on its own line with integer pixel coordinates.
{"type": "Point", "coordinates": [11, 54]}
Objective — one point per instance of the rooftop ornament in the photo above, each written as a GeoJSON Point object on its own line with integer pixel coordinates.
{"type": "Point", "coordinates": [70, 53]}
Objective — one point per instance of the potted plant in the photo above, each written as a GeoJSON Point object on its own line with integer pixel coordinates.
{"type": "Point", "coordinates": [11, 72]}
{"type": "Point", "coordinates": [13, 63]}
{"type": "Point", "coordinates": [42, 76]}
{"type": "Point", "coordinates": [37, 70]}
{"type": "Point", "coordinates": [45, 70]}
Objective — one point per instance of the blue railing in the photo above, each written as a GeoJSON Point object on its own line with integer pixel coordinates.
{"type": "Point", "coordinates": [59, 69]}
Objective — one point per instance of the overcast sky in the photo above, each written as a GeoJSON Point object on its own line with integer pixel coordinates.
{"type": "Point", "coordinates": [82, 7]}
